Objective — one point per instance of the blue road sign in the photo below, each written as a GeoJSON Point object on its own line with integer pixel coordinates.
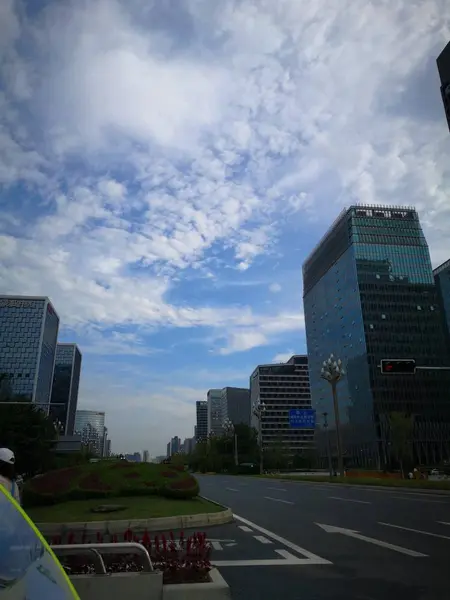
{"type": "Point", "coordinates": [302, 418]}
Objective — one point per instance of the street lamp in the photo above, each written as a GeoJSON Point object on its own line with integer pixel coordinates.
{"type": "Point", "coordinates": [258, 410]}
{"type": "Point", "coordinates": [325, 426]}
{"type": "Point", "coordinates": [333, 371]}
{"type": "Point", "coordinates": [230, 430]}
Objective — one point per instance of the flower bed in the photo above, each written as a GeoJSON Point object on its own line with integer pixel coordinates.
{"type": "Point", "coordinates": [181, 559]}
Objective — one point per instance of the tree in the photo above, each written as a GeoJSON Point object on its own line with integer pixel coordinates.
{"type": "Point", "coordinates": [30, 434]}
{"type": "Point", "coordinates": [401, 427]}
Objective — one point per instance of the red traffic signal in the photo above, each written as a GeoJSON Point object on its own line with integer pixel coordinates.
{"type": "Point", "coordinates": [398, 366]}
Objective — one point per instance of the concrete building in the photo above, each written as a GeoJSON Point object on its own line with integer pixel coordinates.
{"type": "Point", "coordinates": [66, 381]}
{"type": "Point", "coordinates": [201, 428]}
{"type": "Point", "coordinates": [90, 425]}
{"type": "Point", "coordinates": [443, 64]}
{"type": "Point", "coordinates": [135, 457]}
{"type": "Point", "coordinates": [214, 403]}
{"type": "Point", "coordinates": [145, 456]}
{"type": "Point", "coordinates": [442, 280]}
{"type": "Point", "coordinates": [189, 445]}
{"type": "Point", "coordinates": [235, 405]}
{"type": "Point", "coordinates": [370, 294]}
{"type": "Point", "coordinates": [28, 336]}
{"type": "Point", "coordinates": [282, 387]}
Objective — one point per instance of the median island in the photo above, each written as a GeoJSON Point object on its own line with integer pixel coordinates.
{"type": "Point", "coordinates": [114, 490]}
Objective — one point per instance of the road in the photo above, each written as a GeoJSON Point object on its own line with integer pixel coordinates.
{"type": "Point", "coordinates": [314, 541]}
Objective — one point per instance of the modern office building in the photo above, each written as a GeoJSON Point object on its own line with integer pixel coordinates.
{"type": "Point", "coordinates": [108, 448]}
{"type": "Point", "coordinates": [201, 428]}
{"type": "Point", "coordinates": [145, 456]}
{"type": "Point", "coordinates": [369, 294]}
{"type": "Point", "coordinates": [443, 64]}
{"type": "Point", "coordinates": [235, 405]}
{"type": "Point", "coordinates": [28, 337]}
{"type": "Point", "coordinates": [90, 424]}
{"type": "Point", "coordinates": [214, 402]}
{"type": "Point", "coordinates": [189, 445]}
{"type": "Point", "coordinates": [175, 445]}
{"type": "Point", "coordinates": [66, 381]}
{"type": "Point", "coordinates": [282, 387]}
{"type": "Point", "coordinates": [169, 449]}
{"type": "Point", "coordinates": [442, 280]}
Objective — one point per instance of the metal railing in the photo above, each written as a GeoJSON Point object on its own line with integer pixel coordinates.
{"type": "Point", "coordinates": [97, 551]}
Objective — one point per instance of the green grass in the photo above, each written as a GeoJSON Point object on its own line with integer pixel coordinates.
{"type": "Point", "coordinates": [138, 508]}
{"type": "Point", "coordinates": [406, 483]}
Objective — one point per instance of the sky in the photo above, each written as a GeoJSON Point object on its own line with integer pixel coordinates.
{"type": "Point", "coordinates": [166, 167]}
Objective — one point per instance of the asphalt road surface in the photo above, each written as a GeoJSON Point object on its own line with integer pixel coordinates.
{"type": "Point", "coordinates": [308, 541]}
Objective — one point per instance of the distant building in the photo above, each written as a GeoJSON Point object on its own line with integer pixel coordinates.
{"type": "Point", "coordinates": [235, 405]}
{"type": "Point", "coordinates": [90, 425]}
{"type": "Point", "coordinates": [282, 387]}
{"type": "Point", "coordinates": [169, 450]}
{"type": "Point", "coordinates": [443, 64]}
{"type": "Point", "coordinates": [68, 443]}
{"type": "Point", "coordinates": [189, 445]}
{"type": "Point", "coordinates": [442, 280]}
{"type": "Point", "coordinates": [66, 380]}
{"type": "Point", "coordinates": [214, 403]}
{"type": "Point", "coordinates": [201, 428]}
{"type": "Point", "coordinates": [135, 457]}
{"type": "Point", "coordinates": [28, 336]}
{"type": "Point", "coordinates": [108, 448]}
{"type": "Point", "coordinates": [175, 445]}
{"type": "Point", "coordinates": [145, 456]}
{"type": "Point", "coordinates": [159, 459]}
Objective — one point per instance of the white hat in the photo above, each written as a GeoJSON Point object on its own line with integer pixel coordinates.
{"type": "Point", "coordinates": [7, 456]}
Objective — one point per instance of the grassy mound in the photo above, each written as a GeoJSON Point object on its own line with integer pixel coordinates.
{"type": "Point", "coordinates": [109, 479]}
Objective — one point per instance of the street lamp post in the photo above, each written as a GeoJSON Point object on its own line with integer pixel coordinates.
{"type": "Point", "coordinates": [230, 430]}
{"type": "Point", "coordinates": [258, 410]}
{"type": "Point", "coordinates": [332, 371]}
{"type": "Point", "coordinates": [325, 426]}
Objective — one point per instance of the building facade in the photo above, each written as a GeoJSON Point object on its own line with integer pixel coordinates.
{"type": "Point", "coordinates": [369, 294]}
{"type": "Point", "coordinates": [201, 428]}
{"type": "Point", "coordinates": [189, 445]}
{"type": "Point", "coordinates": [282, 387]}
{"type": "Point", "coordinates": [214, 403]}
{"type": "Point", "coordinates": [28, 336]}
{"type": "Point", "coordinates": [66, 381]}
{"type": "Point", "coordinates": [90, 425]}
{"type": "Point", "coordinates": [235, 405]}
{"type": "Point", "coordinates": [442, 280]}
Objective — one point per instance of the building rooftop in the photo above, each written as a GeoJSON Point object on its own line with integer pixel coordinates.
{"type": "Point", "coordinates": [445, 265]}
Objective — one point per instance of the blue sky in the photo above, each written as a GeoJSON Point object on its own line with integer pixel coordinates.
{"type": "Point", "coordinates": [166, 167]}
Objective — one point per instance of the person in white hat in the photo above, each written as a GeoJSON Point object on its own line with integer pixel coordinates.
{"type": "Point", "coordinates": [8, 473]}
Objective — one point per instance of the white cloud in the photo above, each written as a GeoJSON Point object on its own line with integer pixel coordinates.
{"type": "Point", "coordinates": [283, 357]}
{"type": "Point", "coordinates": [275, 288]}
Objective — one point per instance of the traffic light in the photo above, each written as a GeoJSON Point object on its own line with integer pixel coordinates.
{"type": "Point", "coordinates": [398, 366]}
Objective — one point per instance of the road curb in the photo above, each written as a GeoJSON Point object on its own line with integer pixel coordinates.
{"type": "Point", "coordinates": [138, 525]}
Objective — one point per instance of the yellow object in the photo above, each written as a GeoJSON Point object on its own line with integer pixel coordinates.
{"type": "Point", "coordinates": [28, 567]}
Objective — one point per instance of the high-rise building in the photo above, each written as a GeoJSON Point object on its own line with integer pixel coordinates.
{"type": "Point", "coordinates": [28, 336]}
{"type": "Point", "coordinates": [66, 380]}
{"type": "Point", "coordinates": [108, 448]}
{"type": "Point", "coordinates": [235, 405]}
{"type": "Point", "coordinates": [282, 387]}
{"type": "Point", "coordinates": [169, 450]}
{"type": "Point", "coordinates": [443, 64]}
{"type": "Point", "coordinates": [201, 428]}
{"type": "Point", "coordinates": [188, 445]}
{"type": "Point", "coordinates": [90, 424]}
{"type": "Point", "coordinates": [369, 294]}
{"type": "Point", "coordinates": [442, 279]}
{"type": "Point", "coordinates": [145, 456]}
{"type": "Point", "coordinates": [175, 445]}
{"type": "Point", "coordinates": [214, 402]}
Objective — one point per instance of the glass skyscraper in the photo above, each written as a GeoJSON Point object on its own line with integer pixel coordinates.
{"type": "Point", "coordinates": [201, 428]}
{"type": "Point", "coordinates": [442, 280]}
{"type": "Point", "coordinates": [90, 425]}
{"type": "Point", "coordinates": [214, 402]}
{"type": "Point", "coordinates": [28, 336]}
{"type": "Point", "coordinates": [66, 380]}
{"type": "Point", "coordinates": [369, 294]}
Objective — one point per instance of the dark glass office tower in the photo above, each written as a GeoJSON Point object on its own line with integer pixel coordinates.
{"type": "Point", "coordinates": [443, 65]}
{"type": "Point", "coordinates": [369, 294]}
{"type": "Point", "coordinates": [442, 280]}
{"type": "Point", "coordinates": [66, 381]}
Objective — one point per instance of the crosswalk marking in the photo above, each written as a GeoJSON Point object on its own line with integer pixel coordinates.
{"type": "Point", "coordinates": [262, 539]}
{"type": "Point", "coordinates": [245, 528]}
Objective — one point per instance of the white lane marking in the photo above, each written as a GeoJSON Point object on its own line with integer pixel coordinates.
{"type": "Point", "coordinates": [232, 489]}
{"type": "Point", "coordinates": [287, 560]}
{"type": "Point", "coordinates": [245, 528]}
{"type": "Point", "coordinates": [312, 558]}
{"type": "Point", "coordinates": [349, 500]}
{"type": "Point", "coordinates": [216, 545]}
{"type": "Point", "coordinates": [278, 500]}
{"type": "Point", "coordinates": [262, 539]}
{"type": "Point", "coordinates": [355, 534]}
{"type": "Point", "coordinates": [443, 523]}
{"type": "Point", "coordinates": [438, 535]}
{"type": "Point", "coordinates": [277, 489]}
{"type": "Point", "coordinates": [418, 500]}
